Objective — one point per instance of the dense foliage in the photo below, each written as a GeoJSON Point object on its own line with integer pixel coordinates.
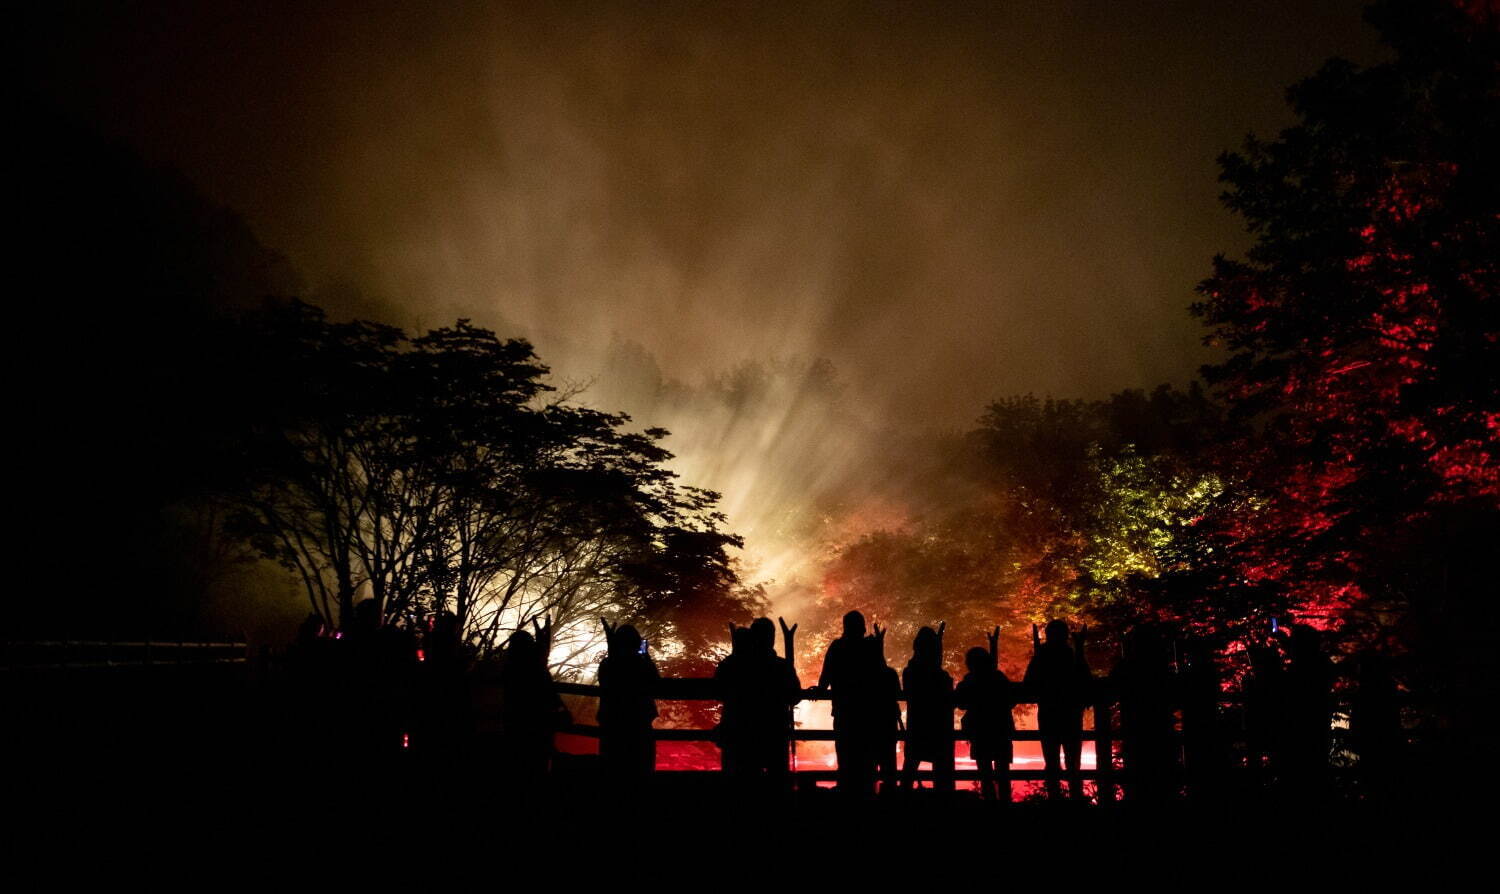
{"type": "Point", "coordinates": [440, 474]}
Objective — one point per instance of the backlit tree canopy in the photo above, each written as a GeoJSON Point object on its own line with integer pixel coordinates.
{"type": "Point", "coordinates": [436, 474]}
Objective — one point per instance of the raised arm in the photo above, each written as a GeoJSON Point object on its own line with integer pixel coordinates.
{"type": "Point", "coordinates": [543, 630]}
{"type": "Point", "coordinates": [791, 683]}
{"type": "Point", "coordinates": [788, 640]}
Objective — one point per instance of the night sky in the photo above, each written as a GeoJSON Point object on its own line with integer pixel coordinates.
{"type": "Point", "coordinates": [948, 202]}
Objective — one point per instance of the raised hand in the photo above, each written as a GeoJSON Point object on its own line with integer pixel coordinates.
{"type": "Point", "coordinates": [788, 637]}
{"type": "Point", "coordinates": [942, 628]}
{"type": "Point", "coordinates": [609, 631]}
{"type": "Point", "coordinates": [879, 636]}
{"type": "Point", "coordinates": [994, 638]}
{"type": "Point", "coordinates": [543, 630]}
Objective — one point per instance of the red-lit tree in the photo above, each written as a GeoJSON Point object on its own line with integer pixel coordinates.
{"type": "Point", "coordinates": [1363, 335]}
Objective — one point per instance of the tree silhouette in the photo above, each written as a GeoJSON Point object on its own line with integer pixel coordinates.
{"type": "Point", "coordinates": [442, 474]}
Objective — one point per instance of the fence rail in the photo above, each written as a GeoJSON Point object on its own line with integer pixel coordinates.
{"type": "Point", "coordinates": [1103, 734]}
{"type": "Point", "coordinates": [100, 654]}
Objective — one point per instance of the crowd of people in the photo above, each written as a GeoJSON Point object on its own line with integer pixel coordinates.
{"type": "Point", "coordinates": [1172, 729]}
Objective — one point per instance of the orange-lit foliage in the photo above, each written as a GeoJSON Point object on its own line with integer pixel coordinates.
{"type": "Point", "coordinates": [1057, 508]}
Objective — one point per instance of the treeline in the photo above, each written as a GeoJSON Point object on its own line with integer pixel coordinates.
{"type": "Point", "coordinates": [1054, 508]}
{"type": "Point", "coordinates": [1344, 468]}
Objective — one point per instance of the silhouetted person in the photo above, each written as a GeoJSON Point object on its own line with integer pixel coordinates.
{"type": "Point", "coordinates": [988, 698]}
{"type": "Point", "coordinates": [757, 688]}
{"type": "Point", "coordinates": [728, 680]}
{"type": "Point", "coordinates": [532, 711]}
{"type": "Point", "coordinates": [317, 692]}
{"type": "Point", "coordinates": [1375, 728]}
{"type": "Point", "coordinates": [1058, 679]}
{"type": "Point", "coordinates": [1265, 713]}
{"type": "Point", "coordinates": [840, 675]}
{"type": "Point", "coordinates": [1143, 680]}
{"type": "Point", "coordinates": [308, 649]}
{"type": "Point", "coordinates": [929, 712]}
{"type": "Point", "coordinates": [627, 706]}
{"type": "Point", "coordinates": [443, 717]}
{"type": "Point", "coordinates": [379, 666]}
{"type": "Point", "coordinates": [1309, 711]}
{"type": "Point", "coordinates": [877, 715]}
{"type": "Point", "coordinates": [1205, 754]}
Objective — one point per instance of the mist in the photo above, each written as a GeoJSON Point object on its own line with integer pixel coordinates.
{"type": "Point", "coordinates": [803, 241]}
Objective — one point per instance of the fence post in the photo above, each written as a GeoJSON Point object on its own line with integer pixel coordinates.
{"type": "Point", "coordinates": [1104, 750]}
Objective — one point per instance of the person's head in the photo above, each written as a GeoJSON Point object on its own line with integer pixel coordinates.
{"type": "Point", "coordinates": [445, 627]}
{"type": "Point", "coordinates": [1307, 642]}
{"type": "Point", "coordinates": [521, 644]}
{"type": "Point", "coordinates": [312, 627]}
{"type": "Point", "coordinates": [366, 616]}
{"type": "Point", "coordinates": [854, 625]}
{"type": "Point", "coordinates": [977, 659]}
{"type": "Point", "coordinates": [626, 641]}
{"type": "Point", "coordinates": [1057, 632]}
{"type": "Point", "coordinates": [763, 635]}
{"type": "Point", "coordinates": [1143, 643]}
{"type": "Point", "coordinates": [1265, 659]}
{"type": "Point", "coordinates": [924, 649]}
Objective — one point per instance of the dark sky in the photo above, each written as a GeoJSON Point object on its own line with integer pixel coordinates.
{"type": "Point", "coordinates": [950, 202]}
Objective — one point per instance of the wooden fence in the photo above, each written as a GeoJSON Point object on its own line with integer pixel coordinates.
{"type": "Point", "coordinates": [1104, 774]}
